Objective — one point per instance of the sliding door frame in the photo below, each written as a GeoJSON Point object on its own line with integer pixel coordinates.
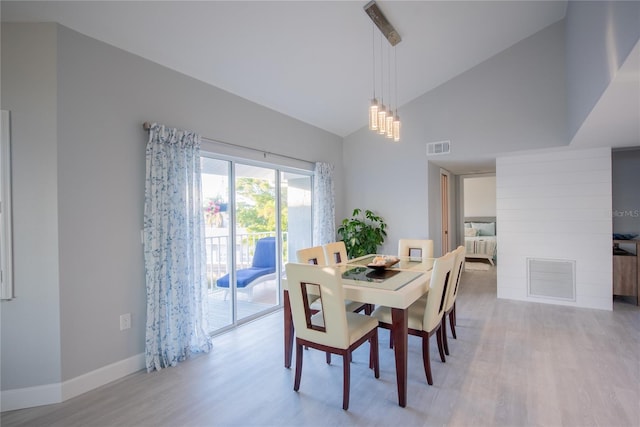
{"type": "Point", "coordinates": [278, 169]}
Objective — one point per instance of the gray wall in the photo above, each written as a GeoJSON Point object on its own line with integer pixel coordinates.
{"type": "Point", "coordinates": [479, 196]}
{"type": "Point", "coordinates": [31, 322]}
{"type": "Point", "coordinates": [79, 190]}
{"type": "Point", "coordinates": [511, 102]}
{"type": "Point", "coordinates": [600, 35]}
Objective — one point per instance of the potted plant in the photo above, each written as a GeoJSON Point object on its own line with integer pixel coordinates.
{"type": "Point", "coordinates": [362, 234]}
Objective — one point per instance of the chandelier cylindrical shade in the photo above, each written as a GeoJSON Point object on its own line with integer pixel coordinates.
{"type": "Point", "coordinates": [382, 120]}
{"type": "Point", "coordinates": [373, 115]}
{"type": "Point", "coordinates": [389, 124]}
{"type": "Point", "coordinates": [396, 128]}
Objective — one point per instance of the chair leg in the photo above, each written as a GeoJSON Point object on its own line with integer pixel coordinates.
{"type": "Point", "coordinates": [440, 346]}
{"type": "Point", "coordinates": [390, 338]}
{"type": "Point", "coordinates": [444, 334]}
{"type": "Point", "coordinates": [299, 353]}
{"type": "Point", "coordinates": [368, 309]}
{"type": "Point", "coordinates": [346, 369]}
{"type": "Point", "coordinates": [455, 317]}
{"type": "Point", "coordinates": [425, 359]}
{"type": "Point", "coordinates": [374, 355]}
{"type": "Point", "coordinates": [452, 322]}
{"type": "Point", "coordinates": [328, 358]}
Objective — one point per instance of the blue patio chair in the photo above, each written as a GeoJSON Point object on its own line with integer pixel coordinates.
{"type": "Point", "coordinates": [263, 268]}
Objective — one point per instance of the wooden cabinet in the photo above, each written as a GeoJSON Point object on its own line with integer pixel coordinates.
{"type": "Point", "coordinates": [626, 268]}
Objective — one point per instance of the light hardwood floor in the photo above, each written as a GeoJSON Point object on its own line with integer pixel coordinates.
{"type": "Point", "coordinates": [513, 364]}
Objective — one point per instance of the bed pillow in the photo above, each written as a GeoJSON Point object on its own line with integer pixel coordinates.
{"type": "Point", "coordinates": [485, 228]}
{"type": "Point", "coordinates": [467, 225]}
{"type": "Point", "coordinates": [470, 232]}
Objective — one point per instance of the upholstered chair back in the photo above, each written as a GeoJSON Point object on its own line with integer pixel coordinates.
{"type": "Point", "coordinates": [454, 278]}
{"type": "Point", "coordinates": [335, 253]}
{"type": "Point", "coordinates": [419, 248]}
{"type": "Point", "coordinates": [314, 255]}
{"type": "Point", "coordinates": [329, 325]}
{"type": "Point", "coordinates": [436, 298]}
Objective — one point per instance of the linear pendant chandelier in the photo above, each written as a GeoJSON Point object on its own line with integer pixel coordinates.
{"type": "Point", "coordinates": [380, 120]}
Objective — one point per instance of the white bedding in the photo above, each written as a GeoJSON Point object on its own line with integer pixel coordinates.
{"type": "Point", "coordinates": [481, 247]}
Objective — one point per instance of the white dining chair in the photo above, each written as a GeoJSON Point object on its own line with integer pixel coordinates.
{"type": "Point", "coordinates": [452, 294]}
{"type": "Point", "coordinates": [425, 315]}
{"type": "Point", "coordinates": [335, 253]}
{"type": "Point", "coordinates": [419, 248]}
{"type": "Point", "coordinates": [333, 329]}
{"type": "Point", "coordinates": [415, 248]}
{"type": "Point", "coordinates": [314, 255]}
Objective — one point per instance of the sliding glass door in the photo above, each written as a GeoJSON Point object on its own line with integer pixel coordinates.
{"type": "Point", "coordinates": [217, 203]}
{"type": "Point", "coordinates": [256, 224]}
{"type": "Point", "coordinates": [255, 215]}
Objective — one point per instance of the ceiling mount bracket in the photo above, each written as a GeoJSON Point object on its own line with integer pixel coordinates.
{"type": "Point", "coordinates": [382, 23]}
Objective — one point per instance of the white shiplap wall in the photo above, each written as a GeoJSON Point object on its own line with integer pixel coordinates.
{"type": "Point", "coordinates": [556, 204]}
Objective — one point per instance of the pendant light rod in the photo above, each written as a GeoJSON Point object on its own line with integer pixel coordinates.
{"type": "Point", "coordinates": [382, 23]}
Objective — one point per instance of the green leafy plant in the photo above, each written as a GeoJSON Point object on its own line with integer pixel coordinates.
{"type": "Point", "coordinates": [362, 234]}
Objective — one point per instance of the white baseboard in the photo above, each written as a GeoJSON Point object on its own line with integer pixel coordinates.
{"type": "Point", "coordinates": [30, 396]}
{"type": "Point", "coordinates": [55, 393]}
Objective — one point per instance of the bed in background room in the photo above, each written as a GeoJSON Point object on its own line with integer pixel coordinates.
{"type": "Point", "coordinates": [480, 238]}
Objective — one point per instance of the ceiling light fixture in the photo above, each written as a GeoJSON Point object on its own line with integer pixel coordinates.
{"type": "Point", "coordinates": [389, 124]}
{"type": "Point", "coordinates": [383, 122]}
{"type": "Point", "coordinates": [382, 112]}
{"type": "Point", "coordinates": [373, 108]}
{"type": "Point", "coordinates": [396, 118]}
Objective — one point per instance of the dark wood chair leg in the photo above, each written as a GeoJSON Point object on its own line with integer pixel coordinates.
{"type": "Point", "coordinates": [455, 317]}
{"type": "Point", "coordinates": [374, 354]}
{"type": "Point", "coordinates": [299, 353]}
{"type": "Point", "coordinates": [440, 346]}
{"type": "Point", "coordinates": [426, 358]}
{"type": "Point", "coordinates": [390, 338]}
{"type": "Point", "coordinates": [328, 358]}
{"type": "Point", "coordinates": [346, 357]}
{"type": "Point", "coordinates": [452, 322]}
{"type": "Point", "coordinates": [444, 335]}
{"type": "Point", "coordinates": [368, 309]}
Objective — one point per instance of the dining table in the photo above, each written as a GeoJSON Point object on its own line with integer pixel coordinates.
{"type": "Point", "coordinates": [396, 285]}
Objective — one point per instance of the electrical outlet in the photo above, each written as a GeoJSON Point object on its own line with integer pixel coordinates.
{"type": "Point", "coordinates": [125, 321]}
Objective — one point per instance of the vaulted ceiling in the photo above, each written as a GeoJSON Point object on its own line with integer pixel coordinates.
{"type": "Point", "coordinates": [311, 60]}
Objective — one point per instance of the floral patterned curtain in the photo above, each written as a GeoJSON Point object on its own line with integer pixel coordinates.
{"type": "Point", "coordinates": [174, 251]}
{"type": "Point", "coordinates": [324, 209]}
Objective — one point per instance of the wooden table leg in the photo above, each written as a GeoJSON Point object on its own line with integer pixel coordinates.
{"type": "Point", "coordinates": [288, 331]}
{"type": "Point", "coordinates": [400, 342]}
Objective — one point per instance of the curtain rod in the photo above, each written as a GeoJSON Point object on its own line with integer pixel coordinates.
{"type": "Point", "coordinates": [147, 127]}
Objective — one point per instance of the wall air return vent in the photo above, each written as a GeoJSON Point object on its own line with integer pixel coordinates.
{"type": "Point", "coordinates": [437, 148]}
{"type": "Point", "coordinates": [552, 278]}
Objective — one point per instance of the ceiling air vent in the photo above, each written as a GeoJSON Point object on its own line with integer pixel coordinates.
{"type": "Point", "coordinates": [440, 147]}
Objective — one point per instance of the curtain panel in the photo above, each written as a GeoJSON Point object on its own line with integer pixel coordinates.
{"type": "Point", "coordinates": [174, 249]}
{"type": "Point", "coordinates": [324, 209]}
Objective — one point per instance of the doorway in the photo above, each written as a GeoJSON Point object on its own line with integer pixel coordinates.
{"type": "Point", "coordinates": [444, 203]}
{"type": "Point", "coordinates": [479, 221]}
